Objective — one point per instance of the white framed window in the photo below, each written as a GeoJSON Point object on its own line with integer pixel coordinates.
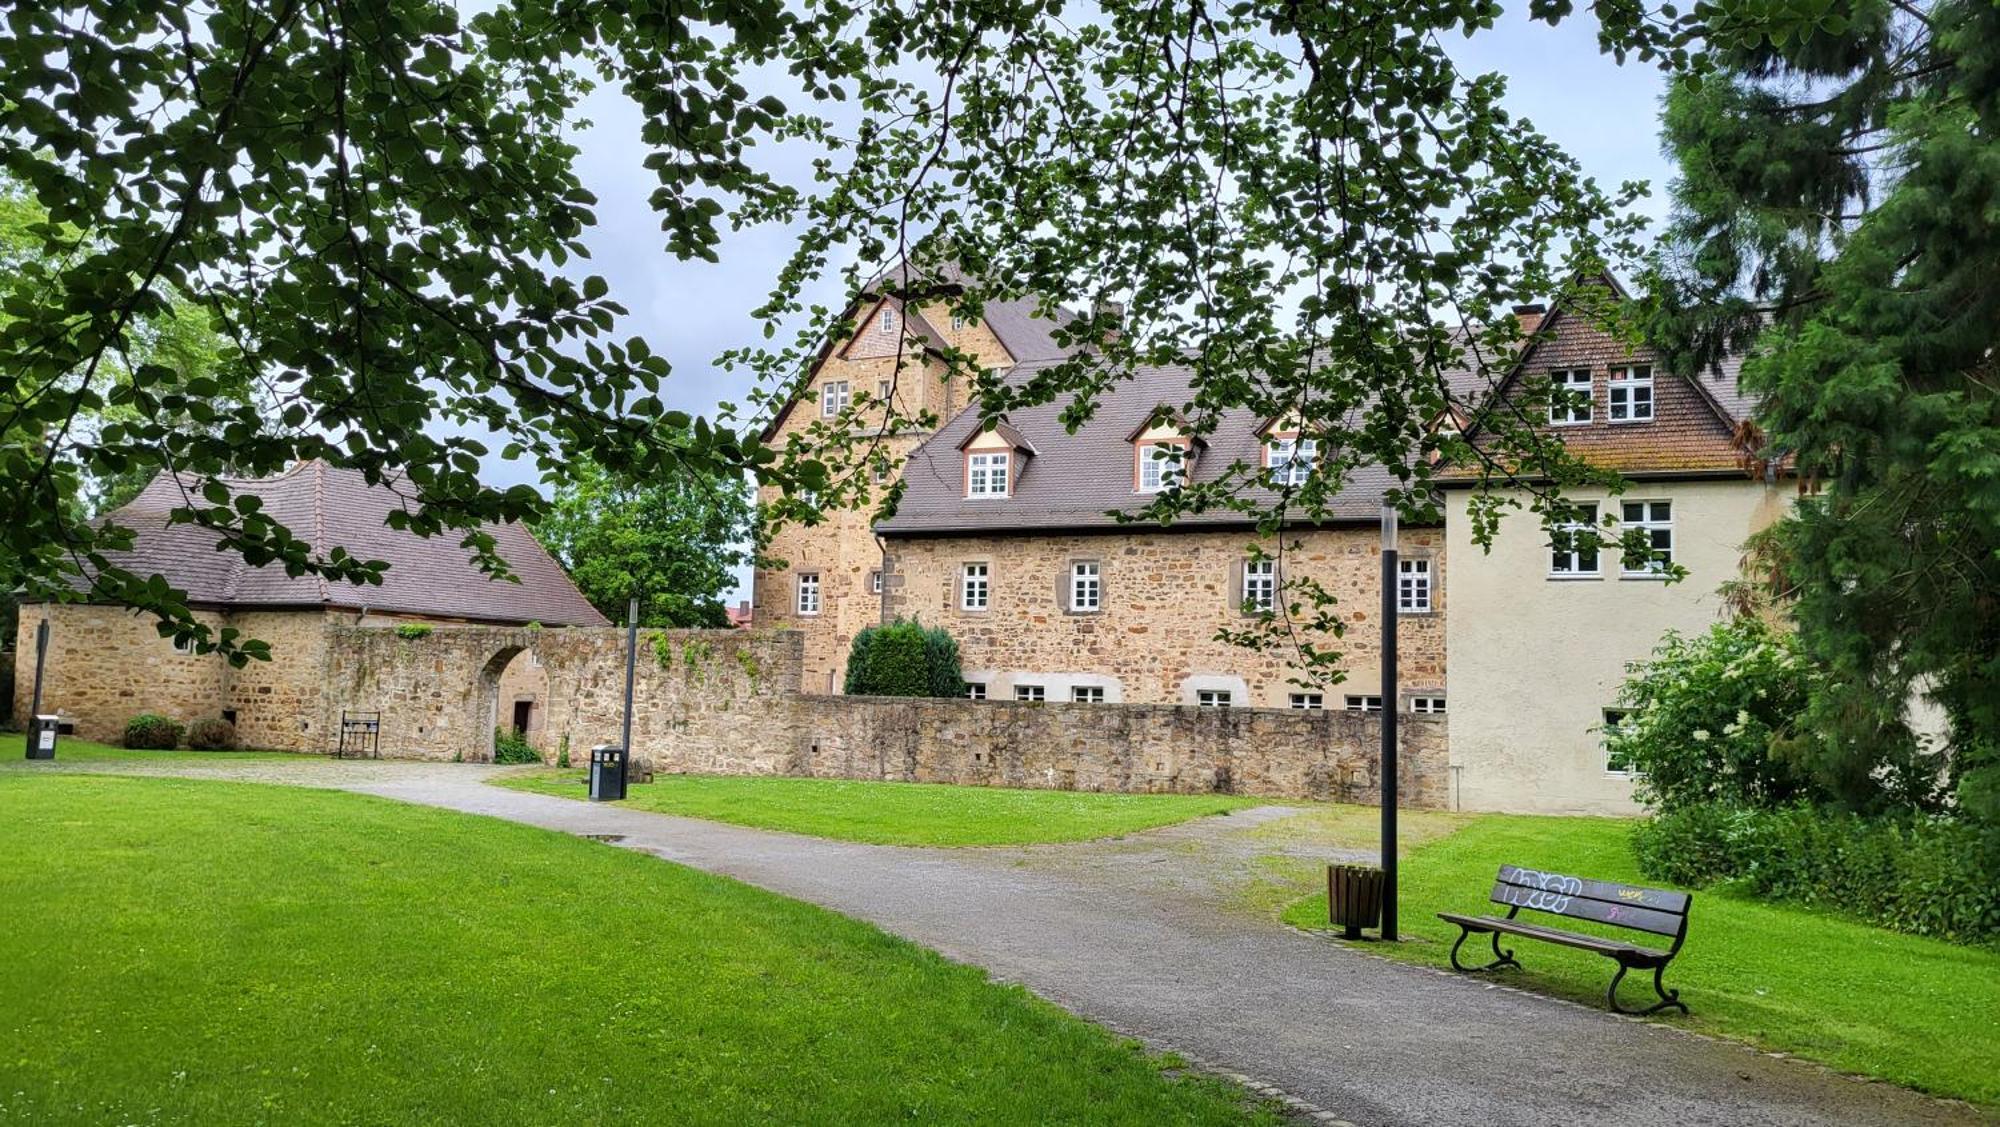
{"type": "Point", "coordinates": [1629, 395]}
{"type": "Point", "coordinates": [1364, 704]}
{"type": "Point", "coordinates": [1260, 585]}
{"type": "Point", "coordinates": [875, 582]}
{"type": "Point", "coordinates": [958, 322]}
{"type": "Point", "coordinates": [986, 474]}
{"type": "Point", "coordinates": [1290, 460]}
{"type": "Point", "coordinates": [1427, 706]}
{"type": "Point", "coordinates": [834, 397]}
{"type": "Point", "coordinates": [1033, 694]}
{"type": "Point", "coordinates": [1308, 701]}
{"type": "Point", "coordinates": [1214, 698]}
{"type": "Point", "coordinates": [1162, 465]}
{"type": "Point", "coordinates": [184, 646]}
{"type": "Point", "coordinates": [1413, 586]}
{"type": "Point", "coordinates": [1569, 399]}
{"type": "Point", "coordinates": [1568, 557]}
{"type": "Point", "coordinates": [808, 592]}
{"type": "Point", "coordinates": [1615, 764]}
{"type": "Point", "coordinates": [1656, 520]}
{"type": "Point", "coordinates": [886, 323]}
{"type": "Point", "coordinates": [975, 690]}
{"type": "Point", "coordinates": [974, 586]}
{"type": "Point", "coordinates": [882, 390]}
{"type": "Point", "coordinates": [1086, 587]}
{"type": "Point", "coordinates": [1086, 694]}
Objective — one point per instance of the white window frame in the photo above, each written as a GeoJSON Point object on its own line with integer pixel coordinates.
{"type": "Point", "coordinates": [1086, 587]}
{"type": "Point", "coordinates": [1427, 705]}
{"type": "Point", "coordinates": [834, 396]}
{"type": "Point", "coordinates": [1653, 523]}
{"type": "Point", "coordinates": [1215, 698]}
{"type": "Point", "coordinates": [975, 587]}
{"type": "Point", "coordinates": [975, 690]}
{"type": "Point", "coordinates": [989, 473]}
{"type": "Point", "coordinates": [1308, 702]}
{"type": "Point", "coordinates": [1290, 460]}
{"type": "Point", "coordinates": [1585, 522]}
{"type": "Point", "coordinates": [1086, 694]}
{"type": "Point", "coordinates": [958, 322]}
{"type": "Point", "coordinates": [1031, 694]}
{"type": "Point", "coordinates": [805, 598]}
{"type": "Point", "coordinates": [886, 323]}
{"type": "Point", "coordinates": [184, 647]}
{"type": "Point", "coordinates": [1167, 469]}
{"type": "Point", "coordinates": [1623, 403]}
{"type": "Point", "coordinates": [1361, 703]}
{"type": "Point", "coordinates": [1413, 585]}
{"type": "Point", "coordinates": [1260, 586]}
{"type": "Point", "coordinates": [1612, 717]}
{"type": "Point", "coordinates": [884, 389]}
{"type": "Point", "coordinates": [875, 582]}
{"type": "Point", "coordinates": [1571, 381]}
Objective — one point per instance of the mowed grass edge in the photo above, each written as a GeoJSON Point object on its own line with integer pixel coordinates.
{"type": "Point", "coordinates": [1918, 1012]}
{"type": "Point", "coordinates": [209, 952]}
{"type": "Point", "coordinates": [886, 813]}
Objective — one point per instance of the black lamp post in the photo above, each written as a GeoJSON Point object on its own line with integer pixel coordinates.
{"type": "Point", "coordinates": [1389, 690]}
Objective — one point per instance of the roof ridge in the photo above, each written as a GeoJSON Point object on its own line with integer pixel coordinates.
{"type": "Point", "coordinates": [319, 524]}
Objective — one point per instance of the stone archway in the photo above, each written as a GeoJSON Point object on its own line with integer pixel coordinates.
{"type": "Point", "coordinates": [514, 696]}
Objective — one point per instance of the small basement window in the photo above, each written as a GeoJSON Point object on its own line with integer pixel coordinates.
{"type": "Point", "coordinates": [1033, 694]}
{"type": "Point", "coordinates": [1087, 694]}
{"type": "Point", "coordinates": [1427, 706]}
{"type": "Point", "coordinates": [975, 690]}
{"type": "Point", "coordinates": [1214, 698]}
{"type": "Point", "coordinates": [1364, 704]}
{"type": "Point", "coordinates": [1308, 701]}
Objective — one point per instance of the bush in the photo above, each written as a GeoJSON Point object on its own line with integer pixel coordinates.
{"type": "Point", "coordinates": [211, 734]}
{"type": "Point", "coordinates": [1712, 718]}
{"type": "Point", "coordinates": [152, 732]}
{"type": "Point", "coordinates": [903, 659]}
{"type": "Point", "coordinates": [1921, 874]}
{"type": "Point", "coordinates": [510, 746]}
{"type": "Point", "coordinates": [411, 631]}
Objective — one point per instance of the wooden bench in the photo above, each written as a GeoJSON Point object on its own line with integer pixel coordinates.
{"type": "Point", "coordinates": [1652, 910]}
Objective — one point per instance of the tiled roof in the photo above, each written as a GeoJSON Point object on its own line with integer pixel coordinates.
{"type": "Point", "coordinates": [1074, 481]}
{"type": "Point", "coordinates": [330, 507]}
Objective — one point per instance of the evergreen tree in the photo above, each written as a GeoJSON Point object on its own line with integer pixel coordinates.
{"type": "Point", "coordinates": [1839, 204]}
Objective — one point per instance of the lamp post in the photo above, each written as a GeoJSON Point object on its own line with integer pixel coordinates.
{"type": "Point", "coordinates": [1389, 690]}
{"type": "Point", "coordinates": [631, 669]}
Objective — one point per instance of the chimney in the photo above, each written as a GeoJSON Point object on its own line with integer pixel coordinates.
{"type": "Point", "coordinates": [1530, 316]}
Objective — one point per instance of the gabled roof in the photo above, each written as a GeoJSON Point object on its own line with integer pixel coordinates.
{"type": "Point", "coordinates": [1007, 433]}
{"type": "Point", "coordinates": [330, 507]}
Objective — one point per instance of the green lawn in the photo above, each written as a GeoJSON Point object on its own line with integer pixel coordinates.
{"type": "Point", "coordinates": [899, 813]}
{"type": "Point", "coordinates": [183, 951]}
{"type": "Point", "coordinates": [69, 749]}
{"type": "Point", "coordinates": [1915, 1011]}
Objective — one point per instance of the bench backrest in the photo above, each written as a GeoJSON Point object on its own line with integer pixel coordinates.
{"type": "Point", "coordinates": [1625, 905]}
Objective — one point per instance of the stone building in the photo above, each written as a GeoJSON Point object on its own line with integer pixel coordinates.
{"type": "Point", "coordinates": [107, 664]}
{"type": "Point", "coordinates": [1006, 536]}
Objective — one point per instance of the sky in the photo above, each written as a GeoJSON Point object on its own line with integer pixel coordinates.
{"type": "Point", "coordinates": [1605, 115]}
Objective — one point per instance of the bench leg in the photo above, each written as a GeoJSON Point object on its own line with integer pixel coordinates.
{"type": "Point", "coordinates": [1667, 997]}
{"type": "Point", "coordinates": [1500, 958]}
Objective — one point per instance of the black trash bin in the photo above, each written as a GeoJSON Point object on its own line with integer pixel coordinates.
{"type": "Point", "coordinates": [607, 773]}
{"type": "Point", "coordinates": [42, 737]}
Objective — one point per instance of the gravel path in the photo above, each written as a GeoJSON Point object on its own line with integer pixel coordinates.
{"type": "Point", "coordinates": [1133, 933]}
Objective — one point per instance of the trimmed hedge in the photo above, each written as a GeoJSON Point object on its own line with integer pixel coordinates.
{"type": "Point", "coordinates": [1924, 875]}
{"type": "Point", "coordinates": [211, 734]}
{"type": "Point", "coordinates": [903, 659]}
{"type": "Point", "coordinates": [152, 732]}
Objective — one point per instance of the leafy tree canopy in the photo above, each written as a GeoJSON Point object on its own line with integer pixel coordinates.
{"type": "Point", "coordinates": [1840, 179]}
{"type": "Point", "coordinates": [671, 541]}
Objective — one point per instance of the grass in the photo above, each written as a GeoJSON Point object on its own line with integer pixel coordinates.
{"type": "Point", "coordinates": [899, 813]}
{"type": "Point", "coordinates": [185, 951]}
{"type": "Point", "coordinates": [1915, 1011]}
{"type": "Point", "coordinates": [69, 749]}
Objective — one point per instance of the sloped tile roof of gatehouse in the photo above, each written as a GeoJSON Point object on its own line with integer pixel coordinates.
{"type": "Point", "coordinates": [1695, 421]}
{"type": "Point", "coordinates": [1076, 481]}
{"type": "Point", "coordinates": [328, 507]}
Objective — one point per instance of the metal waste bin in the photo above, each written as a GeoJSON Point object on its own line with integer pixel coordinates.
{"type": "Point", "coordinates": [42, 737]}
{"type": "Point", "coordinates": [607, 773]}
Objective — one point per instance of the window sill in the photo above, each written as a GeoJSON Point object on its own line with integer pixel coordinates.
{"type": "Point", "coordinates": [1644, 576]}
{"type": "Point", "coordinates": [1628, 422]}
{"type": "Point", "coordinates": [1573, 576]}
{"type": "Point", "coordinates": [1573, 422]}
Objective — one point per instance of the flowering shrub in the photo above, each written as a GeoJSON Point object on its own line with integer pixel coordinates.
{"type": "Point", "coordinates": [1712, 718]}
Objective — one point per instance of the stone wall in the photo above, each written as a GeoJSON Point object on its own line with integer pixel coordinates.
{"type": "Point", "coordinates": [1164, 596]}
{"type": "Point", "coordinates": [1109, 747]}
{"type": "Point", "coordinates": [106, 665]}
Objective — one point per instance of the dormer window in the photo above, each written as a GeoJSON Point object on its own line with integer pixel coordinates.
{"type": "Point", "coordinates": [1162, 465]}
{"type": "Point", "coordinates": [987, 474]}
{"type": "Point", "coordinates": [1569, 396]}
{"type": "Point", "coordinates": [886, 323]}
{"type": "Point", "coordinates": [1630, 398]}
{"type": "Point", "coordinates": [1290, 459]}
